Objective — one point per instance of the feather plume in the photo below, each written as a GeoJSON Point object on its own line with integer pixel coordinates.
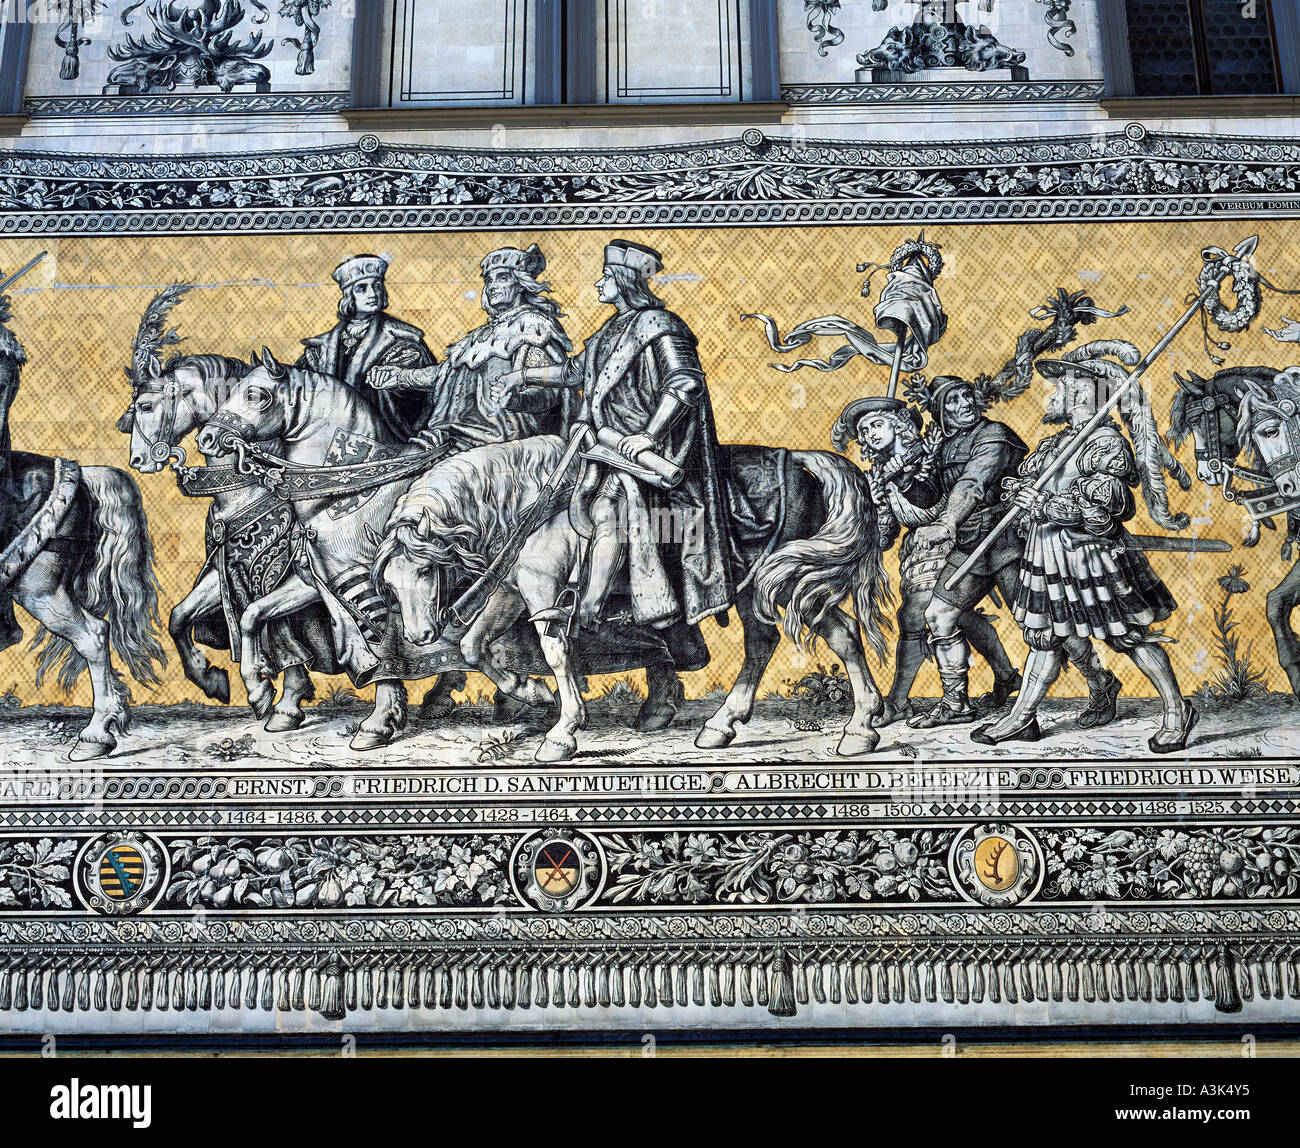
{"type": "Point", "coordinates": [153, 335]}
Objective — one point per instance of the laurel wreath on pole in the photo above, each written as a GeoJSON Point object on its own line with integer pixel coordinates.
{"type": "Point", "coordinates": [1246, 286]}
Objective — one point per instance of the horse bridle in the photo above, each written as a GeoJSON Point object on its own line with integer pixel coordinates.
{"type": "Point", "coordinates": [1203, 415]}
{"type": "Point", "coordinates": [162, 449]}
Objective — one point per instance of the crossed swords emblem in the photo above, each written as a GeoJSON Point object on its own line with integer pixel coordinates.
{"type": "Point", "coordinates": [561, 878]}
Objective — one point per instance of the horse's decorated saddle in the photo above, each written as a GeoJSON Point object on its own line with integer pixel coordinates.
{"type": "Point", "coordinates": [38, 492]}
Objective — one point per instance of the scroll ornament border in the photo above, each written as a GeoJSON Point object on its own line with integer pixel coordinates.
{"type": "Point", "coordinates": [756, 179]}
{"type": "Point", "coordinates": [332, 961]}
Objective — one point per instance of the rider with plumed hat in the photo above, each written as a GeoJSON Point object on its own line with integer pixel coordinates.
{"type": "Point", "coordinates": [366, 337]}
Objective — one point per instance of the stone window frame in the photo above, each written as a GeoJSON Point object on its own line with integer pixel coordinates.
{"type": "Point", "coordinates": [565, 55]}
{"type": "Point", "coordinates": [15, 45]}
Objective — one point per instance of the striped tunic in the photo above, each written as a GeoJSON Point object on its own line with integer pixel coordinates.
{"type": "Point", "coordinates": [1077, 575]}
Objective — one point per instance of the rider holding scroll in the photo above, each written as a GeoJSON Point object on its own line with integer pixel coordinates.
{"type": "Point", "coordinates": [645, 401]}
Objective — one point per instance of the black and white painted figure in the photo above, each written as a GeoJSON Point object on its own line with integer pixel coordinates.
{"type": "Point", "coordinates": [1080, 578]}
{"type": "Point", "coordinates": [644, 393]}
{"type": "Point", "coordinates": [76, 554]}
{"type": "Point", "coordinates": [900, 475]}
{"type": "Point", "coordinates": [523, 330]}
{"type": "Point", "coordinates": [973, 455]}
{"type": "Point", "coordinates": [366, 337]}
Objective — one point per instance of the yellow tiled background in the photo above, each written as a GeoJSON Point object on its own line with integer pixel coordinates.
{"type": "Point", "coordinates": [77, 312]}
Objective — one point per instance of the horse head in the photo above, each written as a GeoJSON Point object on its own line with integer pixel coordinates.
{"type": "Point", "coordinates": [1206, 410]}
{"type": "Point", "coordinates": [406, 570]}
{"type": "Point", "coordinates": [257, 409]}
{"type": "Point", "coordinates": [1269, 417]}
{"type": "Point", "coordinates": [171, 402]}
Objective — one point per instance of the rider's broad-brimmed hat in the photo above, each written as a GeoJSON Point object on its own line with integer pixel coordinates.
{"type": "Point", "coordinates": [872, 404]}
{"type": "Point", "coordinates": [359, 267]}
{"type": "Point", "coordinates": [1095, 360]}
{"type": "Point", "coordinates": [846, 426]}
{"type": "Point", "coordinates": [644, 261]}
{"type": "Point", "coordinates": [531, 262]}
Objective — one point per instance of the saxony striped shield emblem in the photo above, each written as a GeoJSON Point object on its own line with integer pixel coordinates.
{"type": "Point", "coordinates": [121, 872]}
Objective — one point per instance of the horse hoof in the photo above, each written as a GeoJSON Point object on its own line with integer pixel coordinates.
{"type": "Point", "coordinates": [282, 723]}
{"type": "Point", "coordinates": [557, 749]}
{"type": "Point", "coordinates": [90, 750]}
{"type": "Point", "coordinates": [261, 702]}
{"type": "Point", "coordinates": [858, 744]}
{"type": "Point", "coordinates": [710, 738]}
{"type": "Point", "coordinates": [216, 685]}
{"type": "Point", "coordinates": [365, 739]}
{"type": "Point", "coordinates": [651, 719]}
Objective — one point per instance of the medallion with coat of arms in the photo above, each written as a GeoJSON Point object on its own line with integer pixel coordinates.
{"type": "Point", "coordinates": [557, 870]}
{"type": "Point", "coordinates": [121, 873]}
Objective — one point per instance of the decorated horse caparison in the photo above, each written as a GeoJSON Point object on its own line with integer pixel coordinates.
{"type": "Point", "coordinates": [288, 426]}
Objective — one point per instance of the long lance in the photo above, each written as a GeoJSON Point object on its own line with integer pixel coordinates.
{"type": "Point", "coordinates": [26, 267]}
{"type": "Point", "coordinates": [897, 367]}
{"type": "Point", "coordinates": [1243, 249]}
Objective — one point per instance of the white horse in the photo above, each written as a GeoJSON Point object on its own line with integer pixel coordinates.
{"type": "Point", "coordinates": [90, 584]}
{"type": "Point", "coordinates": [460, 514]}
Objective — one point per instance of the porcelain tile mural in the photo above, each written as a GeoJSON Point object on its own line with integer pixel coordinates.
{"type": "Point", "coordinates": [833, 573]}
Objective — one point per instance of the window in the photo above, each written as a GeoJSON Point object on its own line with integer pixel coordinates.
{"type": "Point", "coordinates": [454, 53]}
{"type": "Point", "coordinates": [672, 50]}
{"type": "Point", "coordinates": [1203, 47]}
{"type": "Point", "coordinates": [498, 53]}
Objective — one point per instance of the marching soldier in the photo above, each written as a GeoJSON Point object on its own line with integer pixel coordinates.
{"type": "Point", "coordinates": [366, 337]}
{"type": "Point", "coordinates": [1078, 577]}
{"type": "Point", "coordinates": [903, 488]}
{"type": "Point", "coordinates": [974, 455]}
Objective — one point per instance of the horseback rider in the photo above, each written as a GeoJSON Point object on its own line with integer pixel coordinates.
{"type": "Point", "coordinates": [1078, 578]}
{"type": "Point", "coordinates": [523, 330]}
{"type": "Point", "coordinates": [974, 455]}
{"type": "Point", "coordinates": [644, 391]}
{"type": "Point", "coordinates": [905, 494]}
{"type": "Point", "coordinates": [366, 337]}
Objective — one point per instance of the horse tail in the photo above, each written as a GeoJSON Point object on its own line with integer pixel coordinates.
{"type": "Point", "coordinates": [119, 584]}
{"type": "Point", "coordinates": [812, 576]}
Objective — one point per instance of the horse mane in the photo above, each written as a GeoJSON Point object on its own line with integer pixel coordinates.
{"type": "Point", "coordinates": [461, 512]}
{"type": "Point", "coordinates": [209, 368]}
{"type": "Point", "coordinates": [1189, 388]}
